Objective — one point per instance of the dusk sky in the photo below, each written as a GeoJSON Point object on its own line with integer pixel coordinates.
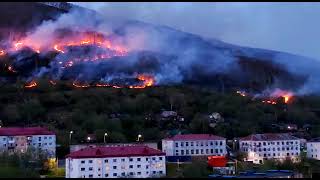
{"type": "Point", "coordinates": [291, 27]}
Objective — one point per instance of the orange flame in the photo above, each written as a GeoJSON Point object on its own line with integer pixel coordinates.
{"type": "Point", "coordinates": [31, 84]}
{"type": "Point", "coordinates": [57, 49]}
{"type": "Point", "coordinates": [2, 52]}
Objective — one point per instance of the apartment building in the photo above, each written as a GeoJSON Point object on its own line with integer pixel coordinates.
{"type": "Point", "coordinates": [114, 162]}
{"type": "Point", "coordinates": [19, 139]}
{"type": "Point", "coordinates": [194, 145]}
{"type": "Point", "coordinates": [313, 148]}
{"type": "Point", "coordinates": [278, 146]}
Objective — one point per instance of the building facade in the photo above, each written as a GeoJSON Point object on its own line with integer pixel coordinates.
{"type": "Point", "coordinates": [313, 148]}
{"type": "Point", "coordinates": [194, 145]}
{"type": "Point", "coordinates": [259, 147]}
{"type": "Point", "coordinates": [115, 162]}
{"type": "Point", "coordinates": [16, 139]}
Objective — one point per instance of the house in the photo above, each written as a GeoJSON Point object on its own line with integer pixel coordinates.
{"type": "Point", "coordinates": [278, 146]}
{"type": "Point", "coordinates": [19, 139]}
{"type": "Point", "coordinates": [222, 165]}
{"type": "Point", "coordinates": [114, 162]}
{"type": "Point", "coordinates": [190, 145]}
{"type": "Point", "coordinates": [313, 148]}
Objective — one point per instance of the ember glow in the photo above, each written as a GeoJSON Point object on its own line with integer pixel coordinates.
{"type": "Point", "coordinates": [2, 52]}
{"type": "Point", "coordinates": [286, 95]}
{"type": "Point", "coordinates": [242, 93]}
{"type": "Point", "coordinates": [31, 84]}
{"type": "Point", "coordinates": [10, 68]}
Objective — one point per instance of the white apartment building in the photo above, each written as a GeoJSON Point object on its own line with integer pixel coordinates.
{"type": "Point", "coordinates": [113, 162]}
{"type": "Point", "coordinates": [194, 145]}
{"type": "Point", "coordinates": [260, 147]}
{"type": "Point", "coordinates": [19, 139]}
{"type": "Point", "coordinates": [313, 148]}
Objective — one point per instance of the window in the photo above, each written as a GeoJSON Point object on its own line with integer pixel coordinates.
{"type": "Point", "coordinates": [131, 166]}
{"type": "Point", "coordinates": [39, 138]}
{"type": "Point", "coordinates": [130, 159]}
{"type": "Point", "coordinates": [197, 151]}
{"type": "Point", "coordinates": [147, 159]}
{"type": "Point", "coordinates": [139, 173]}
{"type": "Point", "coordinates": [187, 143]}
{"type": "Point", "coordinates": [264, 143]}
{"type": "Point", "coordinates": [138, 166]}
{"type": "Point", "coordinates": [90, 175]}
{"type": "Point", "coordinates": [278, 143]}
{"type": "Point", "coordinates": [160, 172]}
{"type": "Point", "coordinates": [106, 160]}
{"type": "Point", "coordinates": [221, 150]}
{"type": "Point", "coordinates": [90, 161]}
{"type": "Point", "coordinates": [106, 175]}
{"type": "Point", "coordinates": [216, 150]}
{"type": "Point", "coordinates": [45, 137]}
{"type": "Point", "coordinates": [182, 152]}
{"type": "Point", "coordinates": [114, 160]}
{"type": "Point", "coordinates": [176, 144]}
{"type": "Point", "coordinates": [187, 151]}
{"type": "Point", "coordinates": [82, 162]}
{"type": "Point", "coordinates": [220, 143]}
{"type": "Point", "coordinates": [207, 151]}
{"type": "Point", "coordinates": [114, 167]}
{"type": "Point", "coordinates": [147, 167]}
{"type": "Point", "coordinates": [153, 158]}
{"type": "Point", "coordinates": [160, 158]}
{"type": "Point", "coordinates": [217, 143]}
{"type": "Point", "coordinates": [90, 168]}
{"type": "Point", "coordinates": [114, 174]}
{"type": "Point", "coordinates": [122, 160]}
{"type": "Point", "coordinates": [83, 169]}
{"type": "Point", "coordinates": [201, 151]}
{"type": "Point", "coordinates": [123, 174]}
{"type": "Point", "coordinates": [138, 159]}
{"type": "Point", "coordinates": [211, 151]}
{"type": "Point", "coordinates": [181, 144]}
{"type": "Point", "coordinates": [192, 151]}
{"type": "Point", "coordinates": [154, 172]}
{"type": "Point", "coordinates": [191, 143]}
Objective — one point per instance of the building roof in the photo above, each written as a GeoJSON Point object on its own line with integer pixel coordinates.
{"type": "Point", "coordinates": [315, 140]}
{"type": "Point", "coordinates": [269, 137]}
{"type": "Point", "coordinates": [24, 131]}
{"type": "Point", "coordinates": [123, 151]}
{"type": "Point", "coordinates": [183, 137]}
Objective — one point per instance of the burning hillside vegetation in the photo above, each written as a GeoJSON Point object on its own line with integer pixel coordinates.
{"type": "Point", "coordinates": [86, 51]}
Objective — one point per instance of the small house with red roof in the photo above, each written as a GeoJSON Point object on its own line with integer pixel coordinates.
{"type": "Point", "coordinates": [116, 161]}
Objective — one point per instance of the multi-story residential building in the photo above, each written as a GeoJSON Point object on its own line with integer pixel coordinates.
{"type": "Point", "coordinates": [260, 147]}
{"type": "Point", "coordinates": [313, 148]}
{"type": "Point", "coordinates": [112, 162]}
{"type": "Point", "coordinates": [19, 139]}
{"type": "Point", "coordinates": [194, 145]}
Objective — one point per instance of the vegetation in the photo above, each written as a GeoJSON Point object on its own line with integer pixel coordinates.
{"type": "Point", "coordinates": [21, 165]}
{"type": "Point", "coordinates": [125, 113]}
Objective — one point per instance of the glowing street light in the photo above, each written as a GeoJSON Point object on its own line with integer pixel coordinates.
{"type": "Point", "coordinates": [104, 137]}
{"type": "Point", "coordinates": [88, 138]}
{"type": "Point", "coordinates": [70, 134]}
{"type": "Point", "coordinates": [139, 136]}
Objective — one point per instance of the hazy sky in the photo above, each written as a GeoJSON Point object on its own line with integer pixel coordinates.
{"type": "Point", "coordinates": [291, 27]}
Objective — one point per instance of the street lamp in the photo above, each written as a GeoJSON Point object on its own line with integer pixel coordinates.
{"type": "Point", "coordinates": [104, 137]}
{"type": "Point", "coordinates": [70, 134]}
{"type": "Point", "coordinates": [139, 136]}
{"type": "Point", "coordinates": [88, 138]}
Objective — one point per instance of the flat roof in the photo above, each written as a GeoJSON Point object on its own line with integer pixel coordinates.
{"type": "Point", "coordinates": [183, 137]}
